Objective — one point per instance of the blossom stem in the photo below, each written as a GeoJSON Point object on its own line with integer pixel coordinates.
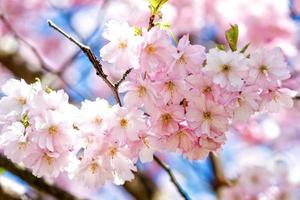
{"type": "Point", "coordinates": [172, 177]}
{"type": "Point", "coordinates": [37, 183]}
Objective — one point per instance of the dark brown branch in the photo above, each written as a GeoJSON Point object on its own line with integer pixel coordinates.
{"type": "Point", "coordinates": [92, 58]}
{"type": "Point", "coordinates": [33, 181]}
{"type": "Point", "coordinates": [123, 77]}
{"type": "Point", "coordinates": [220, 179]}
{"type": "Point", "coordinates": [151, 22]}
{"type": "Point", "coordinates": [172, 177]}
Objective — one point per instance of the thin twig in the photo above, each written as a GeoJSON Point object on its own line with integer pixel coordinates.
{"type": "Point", "coordinates": [123, 78]}
{"type": "Point", "coordinates": [151, 22]}
{"type": "Point", "coordinates": [114, 88]}
{"type": "Point", "coordinates": [172, 177]}
{"type": "Point", "coordinates": [93, 59]}
{"type": "Point", "coordinates": [37, 183]}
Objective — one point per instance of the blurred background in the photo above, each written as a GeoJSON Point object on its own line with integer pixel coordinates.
{"type": "Point", "coordinates": [30, 49]}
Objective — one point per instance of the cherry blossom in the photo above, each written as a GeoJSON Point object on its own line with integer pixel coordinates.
{"type": "Point", "coordinates": [228, 68]}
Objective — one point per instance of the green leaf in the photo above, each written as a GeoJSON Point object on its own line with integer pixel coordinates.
{"type": "Point", "coordinates": [48, 90]}
{"type": "Point", "coordinates": [25, 120]}
{"type": "Point", "coordinates": [137, 31]}
{"type": "Point", "coordinates": [155, 5]}
{"type": "Point", "coordinates": [221, 47]}
{"type": "Point", "coordinates": [2, 171]}
{"type": "Point", "coordinates": [232, 35]}
{"type": "Point", "coordinates": [243, 50]}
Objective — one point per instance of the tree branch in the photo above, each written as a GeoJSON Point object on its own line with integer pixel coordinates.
{"type": "Point", "coordinates": [172, 177]}
{"type": "Point", "coordinates": [93, 59]}
{"type": "Point", "coordinates": [220, 179]}
{"type": "Point", "coordinates": [114, 88]}
{"type": "Point", "coordinates": [37, 183]}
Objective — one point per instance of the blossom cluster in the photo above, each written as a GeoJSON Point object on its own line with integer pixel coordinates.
{"type": "Point", "coordinates": [176, 98]}
{"type": "Point", "coordinates": [261, 183]}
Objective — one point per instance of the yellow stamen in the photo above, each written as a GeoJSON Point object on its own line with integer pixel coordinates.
{"type": "Point", "coordinates": [124, 122]}
{"type": "Point", "coordinates": [52, 130]}
{"type": "Point", "coordinates": [150, 49]}
{"type": "Point", "coordinates": [141, 91]}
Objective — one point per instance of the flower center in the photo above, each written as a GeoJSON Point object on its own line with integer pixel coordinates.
{"type": "Point", "coordinates": [122, 45]}
{"type": "Point", "coordinates": [141, 91]}
{"type": "Point", "coordinates": [48, 159]}
{"type": "Point", "coordinates": [166, 118]}
{"type": "Point", "coordinates": [226, 68]}
{"type": "Point", "coordinates": [112, 151]}
{"type": "Point", "coordinates": [93, 167]}
{"type": "Point", "coordinates": [150, 49]}
{"type": "Point", "coordinates": [182, 60]}
{"type": "Point", "coordinates": [123, 122]}
{"type": "Point", "coordinates": [52, 130]}
{"type": "Point", "coordinates": [263, 69]}
{"type": "Point", "coordinates": [170, 85]}
{"type": "Point", "coordinates": [207, 115]}
{"type": "Point", "coordinates": [207, 89]}
{"type": "Point", "coordinates": [22, 145]}
{"type": "Point", "coordinates": [21, 100]}
{"type": "Point", "coordinates": [98, 120]}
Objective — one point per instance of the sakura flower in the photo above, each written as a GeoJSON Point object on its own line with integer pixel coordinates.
{"type": "Point", "coordinates": [120, 163]}
{"type": "Point", "coordinates": [246, 103]}
{"type": "Point", "coordinates": [267, 67]}
{"type": "Point", "coordinates": [120, 50]}
{"type": "Point", "coordinates": [52, 100]}
{"type": "Point", "coordinates": [165, 120]}
{"type": "Point", "coordinates": [17, 99]}
{"type": "Point", "coordinates": [273, 99]}
{"type": "Point", "coordinates": [94, 116]}
{"type": "Point", "coordinates": [46, 163]}
{"type": "Point", "coordinates": [256, 180]}
{"type": "Point", "coordinates": [203, 84]}
{"type": "Point", "coordinates": [188, 58]}
{"type": "Point", "coordinates": [156, 50]}
{"type": "Point", "coordinates": [171, 89]}
{"type": "Point", "coordinates": [228, 68]}
{"type": "Point", "coordinates": [52, 131]}
{"type": "Point", "coordinates": [14, 142]}
{"type": "Point", "coordinates": [139, 93]}
{"type": "Point", "coordinates": [206, 116]}
{"type": "Point", "coordinates": [126, 124]}
{"type": "Point", "coordinates": [181, 141]}
{"type": "Point", "coordinates": [148, 147]}
{"type": "Point", "coordinates": [92, 172]}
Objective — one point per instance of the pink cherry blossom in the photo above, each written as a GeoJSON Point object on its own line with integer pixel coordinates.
{"type": "Point", "coordinates": [120, 49]}
{"type": "Point", "coordinates": [267, 67]}
{"type": "Point", "coordinates": [14, 141]}
{"type": "Point", "coordinates": [228, 68]}
{"type": "Point", "coordinates": [165, 120]}
{"type": "Point", "coordinates": [46, 163]}
{"type": "Point", "coordinates": [52, 132]}
{"type": "Point", "coordinates": [188, 58]}
{"type": "Point", "coordinates": [139, 92]}
{"type": "Point", "coordinates": [206, 116]}
{"type": "Point", "coordinates": [126, 124]}
{"type": "Point", "coordinates": [156, 51]}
